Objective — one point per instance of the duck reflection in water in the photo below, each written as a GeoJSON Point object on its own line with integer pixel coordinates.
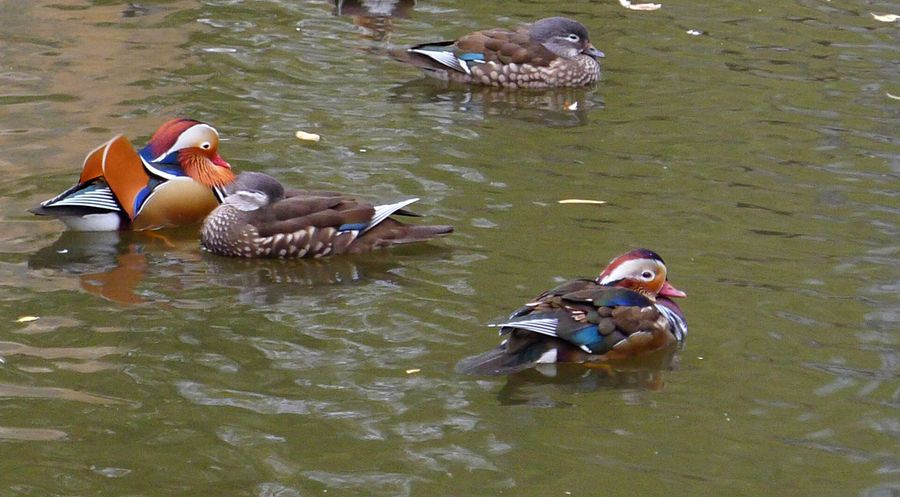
{"type": "Point", "coordinates": [554, 107]}
{"type": "Point", "coordinates": [538, 387]}
{"type": "Point", "coordinates": [374, 16]}
{"type": "Point", "coordinates": [109, 264]}
{"type": "Point", "coordinates": [116, 265]}
{"type": "Point", "coordinates": [106, 263]}
{"type": "Point", "coordinates": [261, 282]}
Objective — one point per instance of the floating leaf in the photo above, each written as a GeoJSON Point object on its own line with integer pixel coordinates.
{"type": "Point", "coordinates": [310, 137]}
{"type": "Point", "coordinates": [885, 17]}
{"type": "Point", "coordinates": [27, 319]}
{"type": "Point", "coordinates": [639, 6]}
{"type": "Point", "coordinates": [581, 201]}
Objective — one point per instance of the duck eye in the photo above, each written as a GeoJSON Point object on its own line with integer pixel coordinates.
{"type": "Point", "coordinates": [647, 275]}
{"type": "Point", "coordinates": [574, 38]}
{"type": "Point", "coordinates": [206, 145]}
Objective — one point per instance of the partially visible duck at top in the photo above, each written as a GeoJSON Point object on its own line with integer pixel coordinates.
{"type": "Point", "coordinates": [551, 53]}
{"type": "Point", "coordinates": [176, 179]}
{"type": "Point", "coordinates": [259, 218]}
{"type": "Point", "coordinates": [626, 311]}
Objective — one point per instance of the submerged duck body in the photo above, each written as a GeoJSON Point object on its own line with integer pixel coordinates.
{"type": "Point", "coordinates": [553, 52]}
{"type": "Point", "coordinates": [626, 311]}
{"type": "Point", "coordinates": [176, 179]}
{"type": "Point", "coordinates": [260, 219]}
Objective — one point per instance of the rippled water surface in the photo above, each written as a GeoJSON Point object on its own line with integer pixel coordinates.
{"type": "Point", "coordinates": [759, 156]}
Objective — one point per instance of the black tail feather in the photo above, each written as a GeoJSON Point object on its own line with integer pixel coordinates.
{"type": "Point", "coordinates": [494, 362]}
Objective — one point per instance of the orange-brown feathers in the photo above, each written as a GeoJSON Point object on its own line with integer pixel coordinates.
{"type": "Point", "coordinates": [198, 164]}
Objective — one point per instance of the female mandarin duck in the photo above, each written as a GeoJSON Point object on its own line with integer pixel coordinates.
{"type": "Point", "coordinates": [178, 178]}
{"type": "Point", "coordinates": [260, 219]}
{"type": "Point", "coordinates": [625, 311]}
{"type": "Point", "coordinates": [551, 53]}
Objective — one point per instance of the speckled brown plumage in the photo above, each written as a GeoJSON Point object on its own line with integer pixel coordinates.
{"type": "Point", "coordinates": [553, 52]}
{"type": "Point", "coordinates": [258, 219]}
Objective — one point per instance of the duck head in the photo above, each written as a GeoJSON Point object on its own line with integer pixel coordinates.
{"type": "Point", "coordinates": [567, 38]}
{"type": "Point", "coordinates": [191, 146]}
{"type": "Point", "coordinates": [252, 191]}
{"type": "Point", "coordinates": [642, 271]}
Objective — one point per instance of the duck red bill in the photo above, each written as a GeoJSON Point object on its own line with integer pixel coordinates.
{"type": "Point", "coordinates": [219, 161]}
{"type": "Point", "coordinates": [670, 291]}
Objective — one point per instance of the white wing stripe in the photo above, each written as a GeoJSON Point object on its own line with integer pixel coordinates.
{"type": "Point", "coordinates": [158, 172]}
{"type": "Point", "coordinates": [444, 58]}
{"type": "Point", "coordinates": [382, 212]}
{"type": "Point", "coordinates": [544, 326]}
{"type": "Point", "coordinates": [102, 198]}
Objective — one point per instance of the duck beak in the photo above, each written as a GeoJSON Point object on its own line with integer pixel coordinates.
{"type": "Point", "coordinates": [219, 161]}
{"type": "Point", "coordinates": [593, 52]}
{"type": "Point", "coordinates": [670, 291]}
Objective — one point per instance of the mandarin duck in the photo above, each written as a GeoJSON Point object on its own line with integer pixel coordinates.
{"type": "Point", "coordinates": [176, 179]}
{"type": "Point", "coordinates": [551, 53]}
{"type": "Point", "coordinates": [260, 219]}
{"type": "Point", "coordinates": [625, 311]}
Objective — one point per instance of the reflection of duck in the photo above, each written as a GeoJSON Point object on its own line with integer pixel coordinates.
{"type": "Point", "coordinates": [119, 283]}
{"type": "Point", "coordinates": [269, 281]}
{"type": "Point", "coordinates": [175, 179]}
{"type": "Point", "coordinates": [556, 107]}
{"type": "Point", "coordinates": [108, 264]}
{"type": "Point", "coordinates": [551, 53]}
{"type": "Point", "coordinates": [260, 219]}
{"type": "Point", "coordinates": [624, 312]}
{"type": "Point", "coordinates": [114, 265]}
{"type": "Point", "coordinates": [374, 15]}
{"type": "Point", "coordinates": [528, 386]}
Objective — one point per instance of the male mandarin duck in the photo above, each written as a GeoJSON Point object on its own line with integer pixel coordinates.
{"type": "Point", "coordinates": [178, 178]}
{"type": "Point", "coordinates": [624, 312]}
{"type": "Point", "coordinates": [259, 219]}
{"type": "Point", "coordinates": [551, 53]}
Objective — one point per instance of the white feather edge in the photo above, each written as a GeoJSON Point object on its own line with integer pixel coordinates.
{"type": "Point", "coordinates": [382, 212]}
{"type": "Point", "coordinates": [445, 58]}
{"type": "Point", "coordinates": [678, 323]}
{"type": "Point", "coordinates": [544, 326]}
{"type": "Point", "coordinates": [101, 198]}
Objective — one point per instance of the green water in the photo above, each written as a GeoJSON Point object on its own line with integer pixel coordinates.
{"type": "Point", "coordinates": [760, 158]}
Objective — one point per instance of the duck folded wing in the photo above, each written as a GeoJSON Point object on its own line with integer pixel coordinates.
{"type": "Point", "coordinates": [294, 214]}
{"type": "Point", "coordinates": [505, 47]}
{"type": "Point", "coordinates": [559, 291]}
{"type": "Point", "coordinates": [392, 232]}
{"type": "Point", "coordinates": [595, 320]}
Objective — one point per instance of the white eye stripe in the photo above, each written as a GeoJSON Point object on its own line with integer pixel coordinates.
{"type": "Point", "coordinates": [630, 269]}
{"type": "Point", "coordinates": [198, 133]}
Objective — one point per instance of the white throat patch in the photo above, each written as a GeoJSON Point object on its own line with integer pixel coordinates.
{"type": "Point", "coordinates": [247, 201]}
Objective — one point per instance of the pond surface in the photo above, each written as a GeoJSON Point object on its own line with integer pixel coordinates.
{"type": "Point", "coordinates": [759, 156]}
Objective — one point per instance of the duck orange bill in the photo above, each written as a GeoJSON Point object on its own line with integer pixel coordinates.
{"type": "Point", "coordinates": [670, 291]}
